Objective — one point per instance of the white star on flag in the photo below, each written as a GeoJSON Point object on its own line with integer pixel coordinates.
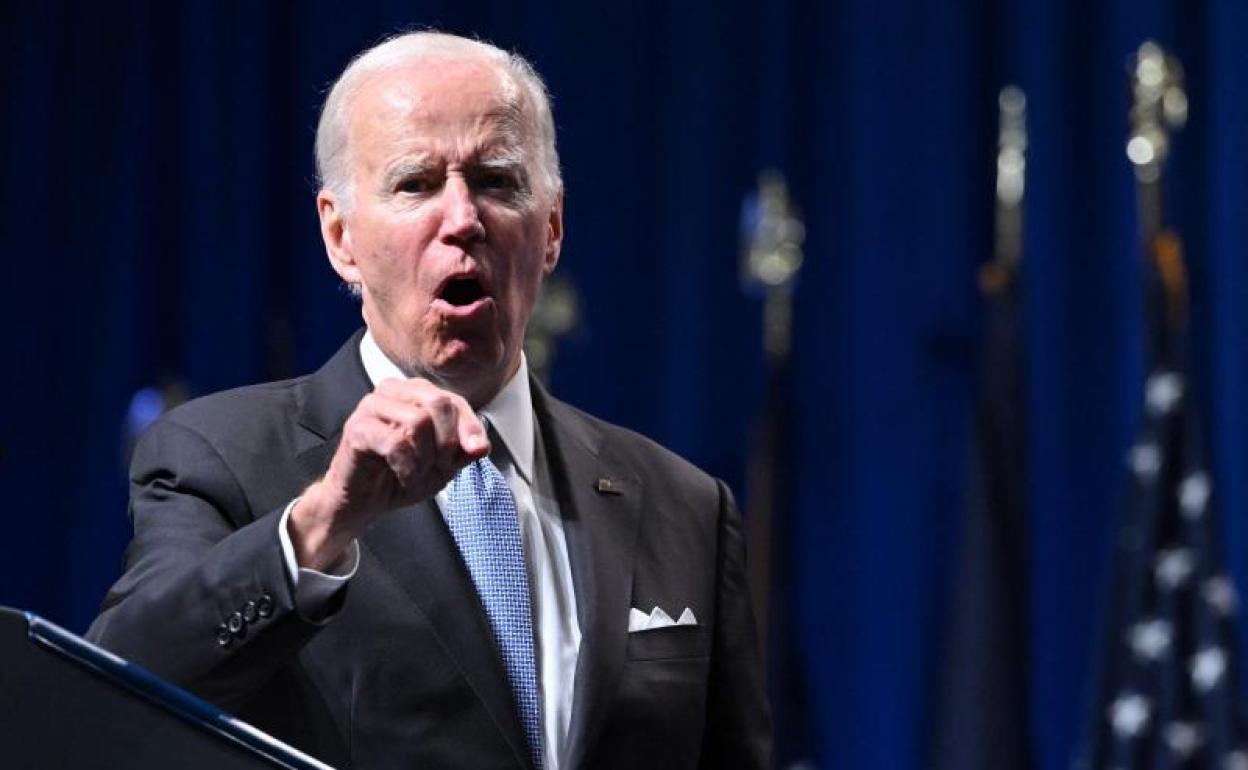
{"type": "Point", "coordinates": [1145, 461]}
{"type": "Point", "coordinates": [1173, 567]}
{"type": "Point", "coordinates": [1183, 738]}
{"type": "Point", "coordinates": [1219, 591]}
{"type": "Point", "coordinates": [1163, 391]}
{"type": "Point", "coordinates": [1150, 639]}
{"type": "Point", "coordinates": [1194, 495]}
{"type": "Point", "coordinates": [1130, 714]}
{"type": "Point", "coordinates": [1208, 666]}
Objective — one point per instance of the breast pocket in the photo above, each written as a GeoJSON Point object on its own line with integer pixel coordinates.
{"type": "Point", "coordinates": [669, 642]}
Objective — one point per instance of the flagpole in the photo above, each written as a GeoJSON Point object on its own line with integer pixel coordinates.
{"type": "Point", "coordinates": [770, 261]}
{"type": "Point", "coordinates": [981, 720]}
{"type": "Point", "coordinates": [1158, 109]}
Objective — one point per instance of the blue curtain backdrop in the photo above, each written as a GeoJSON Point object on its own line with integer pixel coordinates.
{"type": "Point", "coordinates": [158, 224]}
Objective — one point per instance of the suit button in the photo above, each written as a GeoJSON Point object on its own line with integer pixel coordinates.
{"type": "Point", "coordinates": [235, 623]}
{"type": "Point", "coordinates": [224, 637]}
{"type": "Point", "coordinates": [265, 606]}
{"type": "Point", "coordinates": [249, 612]}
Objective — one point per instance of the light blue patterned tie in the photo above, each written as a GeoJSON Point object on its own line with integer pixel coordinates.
{"type": "Point", "coordinates": [481, 514]}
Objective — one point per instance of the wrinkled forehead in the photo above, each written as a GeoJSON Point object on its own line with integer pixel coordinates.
{"type": "Point", "coordinates": [437, 100]}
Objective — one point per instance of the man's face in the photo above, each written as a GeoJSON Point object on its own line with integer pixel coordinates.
{"type": "Point", "coordinates": [450, 227]}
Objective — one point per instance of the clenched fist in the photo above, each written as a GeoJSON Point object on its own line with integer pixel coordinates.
{"type": "Point", "coordinates": [402, 444]}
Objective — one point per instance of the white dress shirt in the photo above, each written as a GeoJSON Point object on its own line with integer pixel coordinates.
{"type": "Point", "coordinates": [522, 461]}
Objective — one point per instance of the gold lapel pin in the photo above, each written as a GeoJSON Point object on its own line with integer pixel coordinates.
{"type": "Point", "coordinates": [608, 486]}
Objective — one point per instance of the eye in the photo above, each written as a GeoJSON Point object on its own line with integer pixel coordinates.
{"type": "Point", "coordinates": [417, 184]}
{"type": "Point", "coordinates": [499, 181]}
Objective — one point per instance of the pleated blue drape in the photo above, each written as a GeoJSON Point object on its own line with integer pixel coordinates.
{"type": "Point", "coordinates": [158, 224]}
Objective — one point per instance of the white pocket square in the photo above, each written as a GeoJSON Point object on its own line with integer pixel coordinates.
{"type": "Point", "coordinates": [640, 621]}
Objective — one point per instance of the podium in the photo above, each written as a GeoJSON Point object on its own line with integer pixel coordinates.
{"type": "Point", "coordinates": [66, 703]}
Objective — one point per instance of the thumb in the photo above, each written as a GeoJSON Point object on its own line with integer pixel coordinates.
{"type": "Point", "coordinates": [472, 436]}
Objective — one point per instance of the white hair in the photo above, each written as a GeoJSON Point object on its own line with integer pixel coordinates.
{"type": "Point", "coordinates": [332, 134]}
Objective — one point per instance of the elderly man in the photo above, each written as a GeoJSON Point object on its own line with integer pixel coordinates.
{"type": "Point", "coordinates": [415, 557]}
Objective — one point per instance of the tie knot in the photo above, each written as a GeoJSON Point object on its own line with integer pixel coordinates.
{"type": "Point", "coordinates": [499, 456]}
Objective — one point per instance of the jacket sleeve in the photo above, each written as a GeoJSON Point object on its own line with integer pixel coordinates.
{"type": "Point", "coordinates": [738, 726]}
{"type": "Point", "coordinates": [204, 600]}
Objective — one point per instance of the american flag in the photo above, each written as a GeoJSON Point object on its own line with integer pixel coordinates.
{"type": "Point", "coordinates": [1169, 693]}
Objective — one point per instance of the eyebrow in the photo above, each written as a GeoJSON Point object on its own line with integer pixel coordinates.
{"type": "Point", "coordinates": [406, 168]}
{"type": "Point", "coordinates": [505, 161]}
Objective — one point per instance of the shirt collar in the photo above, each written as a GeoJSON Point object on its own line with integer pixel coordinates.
{"type": "Point", "coordinates": [510, 412]}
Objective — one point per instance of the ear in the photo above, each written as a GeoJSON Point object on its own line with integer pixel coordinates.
{"type": "Point", "coordinates": [554, 234]}
{"type": "Point", "coordinates": [337, 235]}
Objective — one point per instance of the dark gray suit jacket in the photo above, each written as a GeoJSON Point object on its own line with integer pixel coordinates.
{"type": "Point", "coordinates": [406, 674]}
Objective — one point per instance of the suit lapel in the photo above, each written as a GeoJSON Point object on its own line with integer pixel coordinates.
{"type": "Point", "coordinates": [600, 502]}
{"type": "Point", "coordinates": [413, 546]}
{"type": "Point", "coordinates": [325, 401]}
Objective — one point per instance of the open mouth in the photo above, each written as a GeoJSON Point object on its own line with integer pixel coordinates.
{"type": "Point", "coordinates": [462, 292]}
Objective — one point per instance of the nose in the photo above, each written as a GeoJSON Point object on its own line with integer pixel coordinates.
{"type": "Point", "coordinates": [461, 221]}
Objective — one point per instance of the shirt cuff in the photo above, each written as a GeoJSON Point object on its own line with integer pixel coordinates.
{"type": "Point", "coordinates": [313, 588]}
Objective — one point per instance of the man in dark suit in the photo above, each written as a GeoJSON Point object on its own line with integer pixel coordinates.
{"type": "Point", "coordinates": [415, 557]}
